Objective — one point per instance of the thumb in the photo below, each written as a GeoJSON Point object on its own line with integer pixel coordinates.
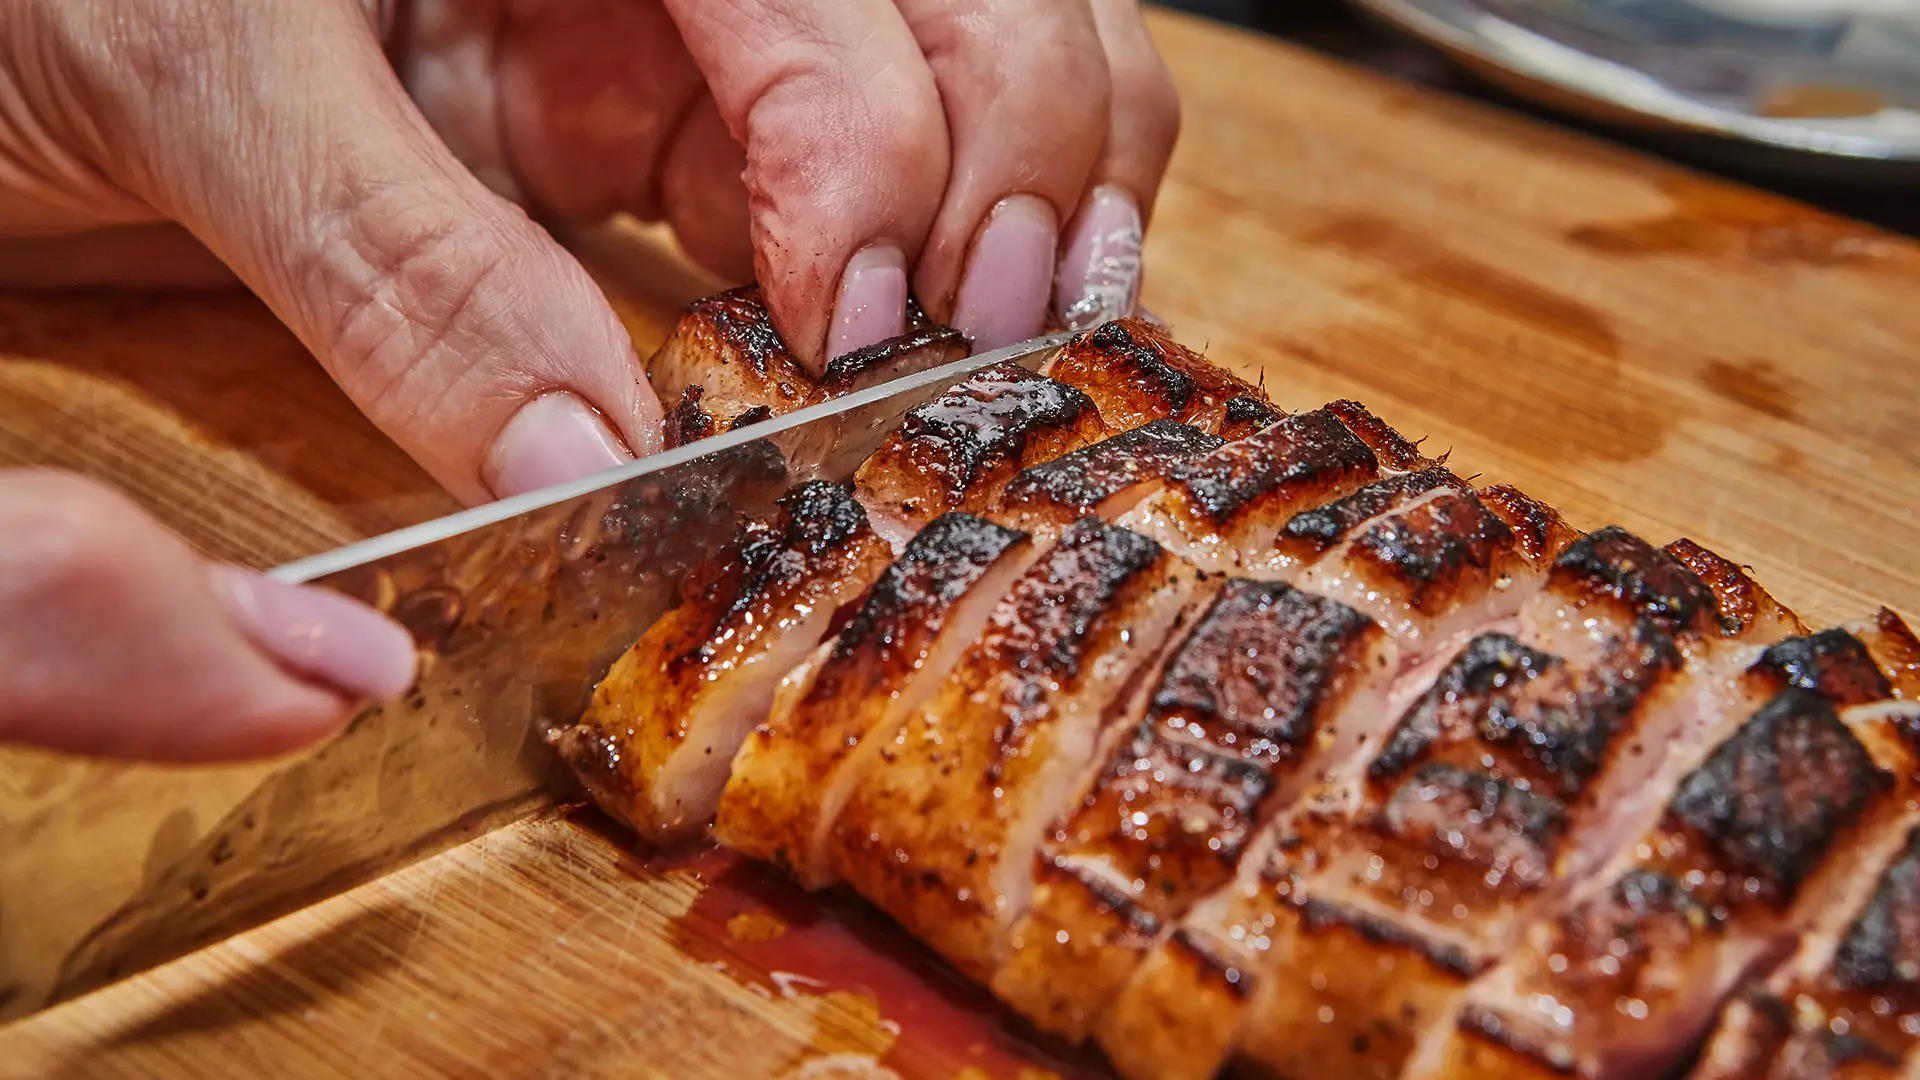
{"type": "Point", "coordinates": [282, 139]}
{"type": "Point", "coordinates": [117, 640]}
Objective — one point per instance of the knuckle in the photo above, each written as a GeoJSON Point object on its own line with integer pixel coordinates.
{"type": "Point", "coordinates": [402, 302]}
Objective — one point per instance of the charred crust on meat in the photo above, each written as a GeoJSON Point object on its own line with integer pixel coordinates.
{"type": "Point", "coordinates": [1483, 677]}
{"type": "Point", "coordinates": [1433, 543]}
{"type": "Point", "coordinates": [817, 522]}
{"type": "Point", "coordinates": [939, 565]}
{"type": "Point", "coordinates": [755, 415]}
{"type": "Point", "coordinates": [986, 418]}
{"type": "Point", "coordinates": [1615, 564]}
{"type": "Point", "coordinates": [1881, 951]}
{"type": "Point", "coordinates": [1538, 528]}
{"type": "Point", "coordinates": [1772, 799]}
{"type": "Point", "coordinates": [1315, 530]}
{"type": "Point", "coordinates": [1141, 352]}
{"type": "Point", "coordinates": [1297, 449]}
{"type": "Point", "coordinates": [1259, 663]}
{"type": "Point", "coordinates": [1044, 627]}
{"type": "Point", "coordinates": [740, 317]}
{"type": "Point", "coordinates": [1737, 597]}
{"type": "Point", "coordinates": [1494, 823]}
{"type": "Point", "coordinates": [689, 422]}
{"type": "Point", "coordinates": [1393, 449]}
{"type": "Point", "coordinates": [1321, 916]}
{"type": "Point", "coordinates": [1245, 415]}
{"type": "Point", "coordinates": [843, 371]}
{"type": "Point", "coordinates": [1175, 802]}
{"type": "Point", "coordinates": [1079, 481]}
{"type": "Point", "coordinates": [1832, 663]}
{"type": "Point", "coordinates": [1143, 924]}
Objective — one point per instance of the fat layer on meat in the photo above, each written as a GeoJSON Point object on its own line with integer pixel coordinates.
{"type": "Point", "coordinates": [654, 744]}
{"type": "Point", "coordinates": [794, 773]}
{"type": "Point", "coordinates": [942, 828]}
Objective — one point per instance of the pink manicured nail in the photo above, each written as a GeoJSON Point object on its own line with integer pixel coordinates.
{"type": "Point", "coordinates": [1100, 272]}
{"type": "Point", "coordinates": [320, 634]}
{"type": "Point", "coordinates": [1003, 298]}
{"type": "Point", "coordinates": [552, 439]}
{"type": "Point", "coordinates": [873, 300]}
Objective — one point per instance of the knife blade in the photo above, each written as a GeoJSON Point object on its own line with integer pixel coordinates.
{"type": "Point", "coordinates": [518, 607]}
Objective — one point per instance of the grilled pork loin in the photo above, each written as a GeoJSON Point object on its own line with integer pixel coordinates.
{"type": "Point", "coordinates": [654, 745]}
{"type": "Point", "coordinates": [1204, 730]}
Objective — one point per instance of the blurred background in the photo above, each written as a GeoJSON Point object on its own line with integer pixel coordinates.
{"type": "Point", "coordinates": [1337, 28]}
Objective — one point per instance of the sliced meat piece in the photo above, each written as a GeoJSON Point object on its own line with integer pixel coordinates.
{"type": "Point", "coordinates": [1357, 919]}
{"type": "Point", "coordinates": [794, 773]}
{"type": "Point", "coordinates": [1538, 528]}
{"type": "Point", "coordinates": [654, 744]}
{"type": "Point", "coordinates": [1224, 511]}
{"type": "Point", "coordinates": [1768, 830]}
{"type": "Point", "coordinates": [724, 366]}
{"type": "Point", "coordinates": [1136, 373]}
{"type": "Point", "coordinates": [1442, 566]}
{"type": "Point", "coordinates": [957, 451]}
{"type": "Point", "coordinates": [1394, 450]}
{"type": "Point", "coordinates": [1104, 480]}
{"type": "Point", "coordinates": [1311, 534]}
{"type": "Point", "coordinates": [1746, 610]}
{"type": "Point", "coordinates": [1245, 415]}
{"type": "Point", "coordinates": [1846, 1006]}
{"type": "Point", "coordinates": [942, 830]}
{"type": "Point", "coordinates": [1895, 649]}
{"type": "Point", "coordinates": [1269, 689]}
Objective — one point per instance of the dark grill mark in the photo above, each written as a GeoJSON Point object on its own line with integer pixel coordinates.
{"type": "Point", "coordinates": [1832, 663]}
{"type": "Point", "coordinates": [1180, 811]}
{"type": "Point", "coordinates": [690, 422]}
{"type": "Point", "coordinates": [1773, 799]}
{"type": "Point", "coordinates": [1044, 627]}
{"type": "Point", "coordinates": [741, 318]}
{"type": "Point", "coordinates": [843, 371]}
{"type": "Point", "coordinates": [1320, 916]}
{"type": "Point", "coordinates": [1314, 531]}
{"type": "Point", "coordinates": [1487, 821]}
{"type": "Point", "coordinates": [1481, 681]}
{"type": "Point", "coordinates": [1293, 450]}
{"type": "Point", "coordinates": [1736, 596]}
{"type": "Point", "coordinates": [1245, 415]}
{"type": "Point", "coordinates": [1881, 951]}
{"type": "Point", "coordinates": [989, 417]}
{"type": "Point", "coordinates": [1078, 482]}
{"type": "Point", "coordinates": [1615, 563]}
{"type": "Point", "coordinates": [1257, 666]}
{"type": "Point", "coordinates": [1392, 448]}
{"type": "Point", "coordinates": [1434, 542]}
{"type": "Point", "coordinates": [939, 565]}
{"type": "Point", "coordinates": [1147, 371]}
{"type": "Point", "coordinates": [1537, 527]}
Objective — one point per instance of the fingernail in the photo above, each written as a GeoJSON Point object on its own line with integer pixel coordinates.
{"type": "Point", "coordinates": [320, 634]}
{"type": "Point", "coordinates": [552, 439]}
{"type": "Point", "coordinates": [873, 300]}
{"type": "Point", "coordinates": [1009, 278]}
{"type": "Point", "coordinates": [1100, 272]}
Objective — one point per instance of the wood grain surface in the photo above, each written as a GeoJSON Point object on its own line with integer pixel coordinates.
{"type": "Point", "coordinates": [1632, 343]}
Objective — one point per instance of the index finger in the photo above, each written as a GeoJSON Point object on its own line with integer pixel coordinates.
{"type": "Point", "coordinates": [847, 156]}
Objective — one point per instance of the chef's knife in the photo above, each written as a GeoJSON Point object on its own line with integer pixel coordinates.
{"type": "Point", "coordinates": [518, 608]}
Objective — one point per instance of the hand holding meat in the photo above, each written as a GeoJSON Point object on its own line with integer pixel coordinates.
{"type": "Point", "coordinates": [366, 167]}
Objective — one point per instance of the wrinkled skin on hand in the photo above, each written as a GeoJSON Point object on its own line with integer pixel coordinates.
{"type": "Point", "coordinates": [368, 167]}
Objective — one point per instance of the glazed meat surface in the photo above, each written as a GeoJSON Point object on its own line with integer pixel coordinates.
{"type": "Point", "coordinates": [1222, 736]}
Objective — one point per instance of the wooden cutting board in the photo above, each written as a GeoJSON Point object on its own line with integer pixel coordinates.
{"type": "Point", "coordinates": [1630, 342]}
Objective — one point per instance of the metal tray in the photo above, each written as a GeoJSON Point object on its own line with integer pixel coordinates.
{"type": "Point", "coordinates": [1835, 84]}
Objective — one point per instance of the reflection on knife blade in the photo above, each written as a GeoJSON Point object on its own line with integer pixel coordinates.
{"type": "Point", "coordinates": [518, 606]}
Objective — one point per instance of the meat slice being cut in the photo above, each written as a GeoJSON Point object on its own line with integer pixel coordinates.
{"type": "Point", "coordinates": [1846, 1006]}
{"type": "Point", "coordinates": [1135, 373]}
{"type": "Point", "coordinates": [654, 744]}
{"type": "Point", "coordinates": [1270, 687]}
{"type": "Point", "coordinates": [1768, 828]}
{"type": "Point", "coordinates": [1361, 916]}
{"type": "Point", "coordinates": [1104, 480]}
{"type": "Point", "coordinates": [1224, 510]}
{"type": "Point", "coordinates": [958, 451]}
{"type": "Point", "coordinates": [942, 828]}
{"type": "Point", "coordinates": [724, 366]}
{"type": "Point", "coordinates": [794, 773]}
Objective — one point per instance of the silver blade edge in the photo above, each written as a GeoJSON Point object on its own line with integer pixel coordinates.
{"type": "Point", "coordinates": [518, 607]}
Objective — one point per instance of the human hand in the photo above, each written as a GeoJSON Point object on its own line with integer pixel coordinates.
{"type": "Point", "coordinates": [359, 165]}
{"type": "Point", "coordinates": [832, 148]}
